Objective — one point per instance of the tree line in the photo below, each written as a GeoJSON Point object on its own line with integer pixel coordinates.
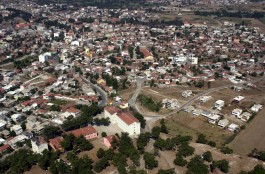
{"type": "Point", "coordinates": [225, 13]}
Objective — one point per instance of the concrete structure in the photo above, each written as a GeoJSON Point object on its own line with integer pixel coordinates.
{"type": "Point", "coordinates": [223, 123]}
{"type": "Point", "coordinates": [124, 119]}
{"type": "Point", "coordinates": [219, 104]}
{"type": "Point", "coordinates": [38, 145]}
{"type": "Point", "coordinates": [237, 112]}
{"type": "Point", "coordinates": [256, 107]}
{"type": "Point", "coordinates": [44, 57]}
{"type": "Point", "coordinates": [186, 93]}
{"type": "Point", "coordinates": [17, 129]}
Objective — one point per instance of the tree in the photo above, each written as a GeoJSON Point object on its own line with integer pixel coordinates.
{"type": "Point", "coordinates": [68, 142]}
{"type": "Point", "coordinates": [185, 150]}
{"type": "Point", "coordinates": [50, 132]}
{"type": "Point", "coordinates": [82, 144]}
{"type": "Point", "coordinates": [209, 84]}
{"type": "Point", "coordinates": [126, 144]}
{"type": "Point", "coordinates": [155, 132]}
{"type": "Point", "coordinates": [201, 139]}
{"type": "Point", "coordinates": [23, 125]}
{"type": "Point", "coordinates": [179, 161]}
{"type": "Point", "coordinates": [226, 150]}
{"type": "Point", "coordinates": [164, 129]}
{"type": "Point", "coordinates": [141, 119]}
{"type": "Point", "coordinates": [142, 141]}
{"type": "Point", "coordinates": [100, 153]}
{"type": "Point", "coordinates": [207, 156]}
{"type": "Point", "coordinates": [150, 161]}
{"type": "Point", "coordinates": [103, 134]}
{"type": "Point", "coordinates": [101, 165]}
{"type": "Point", "coordinates": [223, 165]}
{"type": "Point", "coordinates": [196, 166]}
{"type": "Point", "coordinates": [160, 144]}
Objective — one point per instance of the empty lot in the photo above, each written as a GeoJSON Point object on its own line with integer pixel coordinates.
{"type": "Point", "coordinates": [251, 137]}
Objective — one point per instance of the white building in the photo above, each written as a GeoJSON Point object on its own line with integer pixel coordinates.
{"type": "Point", "coordinates": [124, 119]}
{"type": "Point", "coordinates": [223, 123]}
{"type": "Point", "coordinates": [2, 124]}
{"type": "Point", "coordinates": [203, 99]}
{"type": "Point", "coordinates": [237, 112]}
{"type": "Point", "coordinates": [16, 117]}
{"type": "Point", "coordinates": [232, 127]}
{"type": "Point", "coordinates": [256, 107]}
{"type": "Point", "coordinates": [44, 57]}
{"type": "Point", "coordinates": [186, 93]}
{"type": "Point", "coordinates": [245, 116]}
{"type": "Point", "coordinates": [17, 129]}
{"type": "Point", "coordinates": [219, 104]}
{"type": "Point", "coordinates": [214, 118]}
{"type": "Point", "coordinates": [38, 145]}
{"type": "Point", "coordinates": [13, 142]}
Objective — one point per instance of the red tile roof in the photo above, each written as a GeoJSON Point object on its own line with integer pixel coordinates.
{"type": "Point", "coordinates": [112, 109]}
{"type": "Point", "coordinates": [83, 131]}
{"type": "Point", "coordinates": [55, 142]}
{"type": "Point", "coordinates": [127, 117]}
{"type": "Point", "coordinates": [4, 147]}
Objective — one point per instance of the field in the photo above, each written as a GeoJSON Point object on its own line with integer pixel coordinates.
{"type": "Point", "coordinates": [251, 137]}
{"type": "Point", "coordinates": [184, 124]}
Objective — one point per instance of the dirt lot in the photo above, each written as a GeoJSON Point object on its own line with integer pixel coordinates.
{"type": "Point", "coordinates": [185, 124]}
{"type": "Point", "coordinates": [251, 137]}
{"type": "Point", "coordinates": [126, 93]}
{"type": "Point", "coordinates": [36, 170]}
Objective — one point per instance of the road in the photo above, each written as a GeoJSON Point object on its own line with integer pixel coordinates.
{"type": "Point", "coordinates": [101, 92]}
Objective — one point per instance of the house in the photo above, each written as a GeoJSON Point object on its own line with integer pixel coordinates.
{"type": "Point", "coordinates": [73, 111]}
{"type": "Point", "coordinates": [13, 142]}
{"type": "Point", "coordinates": [88, 132]}
{"type": "Point", "coordinates": [223, 123]}
{"type": "Point", "coordinates": [214, 118]}
{"type": "Point", "coordinates": [108, 140]}
{"type": "Point", "coordinates": [124, 119]}
{"type": "Point", "coordinates": [237, 112]}
{"type": "Point", "coordinates": [38, 145]}
{"type": "Point", "coordinates": [256, 107]}
{"type": "Point", "coordinates": [233, 127]}
{"type": "Point", "coordinates": [17, 129]}
{"type": "Point", "coordinates": [245, 116]}
{"type": "Point", "coordinates": [16, 117]}
{"type": "Point", "coordinates": [170, 103]}
{"type": "Point", "coordinates": [2, 124]}
{"type": "Point", "coordinates": [4, 148]}
{"type": "Point", "coordinates": [186, 93]}
{"type": "Point", "coordinates": [219, 104]}
{"type": "Point", "coordinates": [197, 112]}
{"type": "Point", "coordinates": [55, 143]}
{"type": "Point", "coordinates": [238, 99]}
{"type": "Point", "coordinates": [204, 99]}
{"type": "Point", "coordinates": [188, 109]}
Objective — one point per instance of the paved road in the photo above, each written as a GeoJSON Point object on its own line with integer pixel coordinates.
{"type": "Point", "coordinates": [100, 91]}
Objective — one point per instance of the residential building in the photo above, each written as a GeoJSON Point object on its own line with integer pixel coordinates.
{"type": "Point", "coordinates": [233, 127]}
{"type": "Point", "coordinates": [219, 104]}
{"type": "Point", "coordinates": [17, 129]}
{"type": "Point", "coordinates": [223, 123]}
{"type": "Point", "coordinates": [108, 140]}
{"type": "Point", "coordinates": [214, 118]}
{"type": "Point", "coordinates": [237, 112]}
{"type": "Point", "coordinates": [256, 107]}
{"type": "Point", "coordinates": [55, 143]}
{"type": "Point", "coordinates": [186, 93]}
{"type": "Point", "coordinates": [38, 145]}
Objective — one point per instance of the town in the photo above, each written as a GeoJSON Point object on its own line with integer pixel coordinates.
{"type": "Point", "coordinates": [89, 88]}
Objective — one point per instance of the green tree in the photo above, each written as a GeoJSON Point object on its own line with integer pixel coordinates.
{"type": "Point", "coordinates": [101, 165]}
{"type": "Point", "coordinates": [167, 171]}
{"type": "Point", "coordinates": [50, 132]}
{"type": "Point", "coordinates": [196, 166]}
{"type": "Point", "coordinates": [150, 161]}
{"type": "Point", "coordinates": [207, 156]}
{"type": "Point", "coordinates": [155, 132]}
{"type": "Point", "coordinates": [100, 153]}
{"type": "Point", "coordinates": [201, 139]}
{"type": "Point", "coordinates": [179, 161]}
{"type": "Point", "coordinates": [223, 165]}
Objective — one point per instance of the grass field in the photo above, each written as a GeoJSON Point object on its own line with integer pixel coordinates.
{"type": "Point", "coordinates": [59, 102]}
